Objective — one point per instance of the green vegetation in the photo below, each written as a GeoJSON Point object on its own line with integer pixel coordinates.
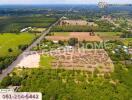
{"type": "Point", "coordinates": [60, 33]}
{"type": "Point", "coordinates": [109, 35]}
{"type": "Point", "coordinates": [46, 45]}
{"type": "Point", "coordinates": [103, 26]}
{"type": "Point", "coordinates": [37, 30]}
{"type": "Point", "coordinates": [117, 52]}
{"type": "Point", "coordinates": [74, 85]}
{"type": "Point", "coordinates": [15, 24]}
{"type": "Point", "coordinates": [11, 45]}
{"type": "Point", "coordinates": [60, 84]}
{"type": "Point", "coordinates": [125, 23]}
{"type": "Point", "coordinates": [126, 34]}
{"type": "Point", "coordinates": [12, 41]}
{"type": "Point", "coordinates": [72, 29]}
{"type": "Point", "coordinates": [127, 41]}
{"type": "Point", "coordinates": [45, 61]}
{"type": "Point", "coordinates": [72, 41]}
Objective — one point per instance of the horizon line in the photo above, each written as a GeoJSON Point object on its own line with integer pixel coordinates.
{"type": "Point", "coordinates": [70, 4]}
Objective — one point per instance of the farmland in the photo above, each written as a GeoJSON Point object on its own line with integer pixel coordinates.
{"type": "Point", "coordinates": [81, 59]}
{"type": "Point", "coordinates": [60, 33]}
{"type": "Point", "coordinates": [70, 61]}
{"type": "Point", "coordinates": [109, 35]}
{"type": "Point", "coordinates": [9, 40]}
{"type": "Point", "coordinates": [79, 35]}
{"type": "Point", "coordinates": [15, 24]}
{"type": "Point", "coordinates": [77, 23]}
{"type": "Point", "coordinates": [11, 45]}
{"type": "Point", "coordinates": [97, 26]}
{"type": "Point", "coordinates": [37, 30]}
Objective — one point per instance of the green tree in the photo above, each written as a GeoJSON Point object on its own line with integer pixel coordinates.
{"type": "Point", "coordinates": [61, 42]}
{"type": "Point", "coordinates": [16, 80]}
{"type": "Point", "coordinates": [22, 47]}
{"type": "Point", "coordinates": [6, 81]}
{"type": "Point", "coordinates": [72, 41]}
{"type": "Point", "coordinates": [10, 50]}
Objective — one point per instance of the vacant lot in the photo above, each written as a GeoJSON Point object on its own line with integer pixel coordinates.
{"type": "Point", "coordinates": [45, 61]}
{"type": "Point", "coordinates": [12, 41]}
{"type": "Point", "coordinates": [80, 59]}
{"type": "Point", "coordinates": [79, 35]}
{"type": "Point", "coordinates": [38, 30]}
{"type": "Point", "coordinates": [60, 33]}
{"type": "Point", "coordinates": [77, 22]}
{"type": "Point", "coordinates": [29, 61]}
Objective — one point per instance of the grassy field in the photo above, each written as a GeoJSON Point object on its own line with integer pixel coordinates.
{"type": "Point", "coordinates": [109, 35]}
{"type": "Point", "coordinates": [60, 33]}
{"type": "Point", "coordinates": [103, 35]}
{"type": "Point", "coordinates": [45, 61]}
{"type": "Point", "coordinates": [12, 41]}
{"type": "Point", "coordinates": [38, 30]}
{"type": "Point", "coordinates": [127, 41]}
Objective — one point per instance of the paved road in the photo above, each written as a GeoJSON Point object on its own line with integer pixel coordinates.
{"type": "Point", "coordinates": [14, 64]}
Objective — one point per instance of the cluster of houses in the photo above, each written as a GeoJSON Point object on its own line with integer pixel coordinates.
{"type": "Point", "coordinates": [124, 48]}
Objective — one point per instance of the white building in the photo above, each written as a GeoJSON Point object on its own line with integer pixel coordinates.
{"type": "Point", "coordinates": [26, 29]}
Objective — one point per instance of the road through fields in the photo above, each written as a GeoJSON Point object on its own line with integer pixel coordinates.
{"type": "Point", "coordinates": [14, 64]}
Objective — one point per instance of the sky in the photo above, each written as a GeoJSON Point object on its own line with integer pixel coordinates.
{"type": "Point", "coordinates": [63, 1]}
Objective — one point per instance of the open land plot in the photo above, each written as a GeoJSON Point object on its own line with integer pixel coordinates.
{"type": "Point", "coordinates": [60, 33]}
{"type": "Point", "coordinates": [46, 61]}
{"type": "Point", "coordinates": [109, 35]}
{"type": "Point", "coordinates": [82, 59]}
{"type": "Point", "coordinates": [3, 17]}
{"type": "Point", "coordinates": [38, 30]}
{"type": "Point", "coordinates": [29, 61]}
{"type": "Point", "coordinates": [77, 22]}
{"type": "Point", "coordinates": [9, 40]}
{"type": "Point", "coordinates": [79, 35]}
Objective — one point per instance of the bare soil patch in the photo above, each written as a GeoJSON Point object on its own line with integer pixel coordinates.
{"type": "Point", "coordinates": [77, 22]}
{"type": "Point", "coordinates": [82, 59]}
{"type": "Point", "coordinates": [79, 35]}
{"type": "Point", "coordinates": [29, 61]}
